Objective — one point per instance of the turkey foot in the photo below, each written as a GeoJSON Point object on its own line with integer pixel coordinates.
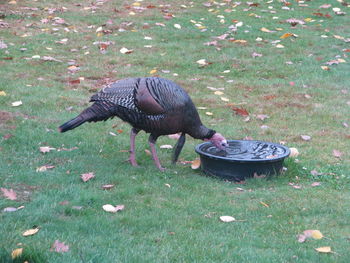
{"type": "Point", "coordinates": [152, 140]}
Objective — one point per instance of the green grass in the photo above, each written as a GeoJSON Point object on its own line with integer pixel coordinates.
{"type": "Point", "coordinates": [180, 223]}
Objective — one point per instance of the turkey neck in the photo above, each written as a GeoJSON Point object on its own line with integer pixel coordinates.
{"type": "Point", "coordinates": [201, 132]}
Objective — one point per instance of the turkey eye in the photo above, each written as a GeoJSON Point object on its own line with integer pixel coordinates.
{"type": "Point", "coordinates": [223, 144]}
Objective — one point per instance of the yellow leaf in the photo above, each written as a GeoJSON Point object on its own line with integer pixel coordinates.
{"type": "Point", "coordinates": [338, 37]}
{"type": "Point", "coordinates": [264, 29]}
{"type": "Point", "coordinates": [218, 92]}
{"type": "Point", "coordinates": [153, 71]}
{"type": "Point", "coordinates": [279, 46]}
{"type": "Point", "coordinates": [264, 204]}
{"type": "Point", "coordinates": [240, 41]}
{"type": "Point", "coordinates": [340, 60]}
{"type": "Point", "coordinates": [16, 253]}
{"type": "Point", "coordinates": [196, 164]}
{"type": "Point", "coordinates": [316, 234]}
{"type": "Point", "coordinates": [324, 249]}
{"type": "Point", "coordinates": [308, 19]}
{"type": "Point", "coordinates": [136, 4]}
{"type": "Point", "coordinates": [286, 35]}
{"type": "Point", "coordinates": [224, 99]}
{"type": "Point", "coordinates": [325, 68]}
{"type": "Point", "coordinates": [30, 232]}
{"type": "Point", "coordinates": [2, 93]}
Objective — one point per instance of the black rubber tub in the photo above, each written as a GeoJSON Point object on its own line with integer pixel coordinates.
{"type": "Point", "coordinates": [242, 159]}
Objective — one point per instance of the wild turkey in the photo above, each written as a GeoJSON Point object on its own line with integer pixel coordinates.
{"type": "Point", "coordinates": [156, 105]}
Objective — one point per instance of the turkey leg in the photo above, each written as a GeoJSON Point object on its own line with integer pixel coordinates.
{"type": "Point", "coordinates": [152, 140]}
{"type": "Point", "coordinates": [132, 158]}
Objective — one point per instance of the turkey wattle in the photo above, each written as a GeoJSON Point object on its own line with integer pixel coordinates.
{"type": "Point", "coordinates": [156, 105]}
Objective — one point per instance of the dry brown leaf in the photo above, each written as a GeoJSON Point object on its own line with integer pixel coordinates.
{"type": "Point", "coordinates": [196, 164]}
{"type": "Point", "coordinates": [30, 232]}
{"type": "Point", "coordinates": [124, 50]}
{"type": "Point", "coordinates": [17, 103]}
{"type": "Point", "coordinates": [305, 137]}
{"type": "Point", "coordinates": [166, 146]}
{"type": "Point", "coordinates": [240, 111]}
{"type": "Point", "coordinates": [293, 152]}
{"type": "Point", "coordinates": [9, 193]}
{"type": "Point", "coordinates": [286, 35]}
{"type": "Point", "coordinates": [112, 209]}
{"type": "Point", "coordinates": [264, 204]}
{"type": "Point", "coordinates": [227, 219]}
{"type": "Point", "coordinates": [46, 149]}
{"type": "Point", "coordinates": [307, 234]}
{"type": "Point", "coordinates": [107, 186]}
{"type": "Point", "coordinates": [87, 176]}
{"type": "Point", "coordinates": [16, 253]}
{"type": "Point", "coordinates": [315, 184]}
{"type": "Point", "coordinates": [324, 249]}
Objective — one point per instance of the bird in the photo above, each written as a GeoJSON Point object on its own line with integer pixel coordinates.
{"type": "Point", "coordinates": [153, 104]}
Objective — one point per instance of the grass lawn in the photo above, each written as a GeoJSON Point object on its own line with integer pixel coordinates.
{"type": "Point", "coordinates": [291, 76]}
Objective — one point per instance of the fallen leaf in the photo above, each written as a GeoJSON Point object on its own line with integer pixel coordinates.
{"type": "Point", "coordinates": [196, 164]}
{"type": "Point", "coordinates": [286, 35]}
{"type": "Point", "coordinates": [46, 149]}
{"type": "Point", "coordinates": [166, 146]}
{"type": "Point", "coordinates": [279, 46]}
{"type": "Point", "coordinates": [315, 234]}
{"type": "Point", "coordinates": [324, 250]}
{"type": "Point", "coordinates": [262, 116]}
{"type": "Point", "coordinates": [315, 184]}
{"type": "Point", "coordinates": [2, 93]}
{"type": "Point", "coordinates": [325, 6]}
{"type": "Point", "coordinates": [59, 247]}
{"type": "Point", "coordinates": [305, 137]}
{"type": "Point", "coordinates": [153, 71]}
{"type": "Point", "coordinates": [209, 113]}
{"type": "Point", "coordinates": [16, 253]}
{"type": "Point", "coordinates": [87, 176]}
{"type": "Point", "coordinates": [17, 103]}
{"type": "Point", "coordinates": [325, 68]}
{"type": "Point", "coordinates": [202, 62]}
{"type": "Point", "coordinates": [240, 111]}
{"type": "Point", "coordinates": [177, 26]}
{"type": "Point", "coordinates": [112, 209]}
{"type": "Point", "coordinates": [9, 194]}
{"type": "Point", "coordinates": [74, 81]}
{"type": "Point", "coordinates": [337, 153]}
{"type": "Point", "coordinates": [264, 29]}
{"type": "Point", "coordinates": [44, 168]}
{"type": "Point", "coordinates": [107, 186]}
{"type": "Point", "coordinates": [30, 232]}
{"type": "Point", "coordinates": [124, 50]}
{"type": "Point", "coordinates": [254, 55]}
{"type": "Point", "coordinates": [167, 185]}
{"type": "Point", "coordinates": [218, 93]}
{"type": "Point", "coordinates": [293, 152]}
{"type": "Point", "coordinates": [227, 219]}
{"type": "Point", "coordinates": [264, 204]}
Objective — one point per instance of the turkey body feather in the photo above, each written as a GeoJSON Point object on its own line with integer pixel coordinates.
{"type": "Point", "coordinates": [156, 105]}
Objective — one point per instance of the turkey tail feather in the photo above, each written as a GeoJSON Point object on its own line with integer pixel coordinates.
{"type": "Point", "coordinates": [178, 147]}
{"type": "Point", "coordinates": [97, 112]}
{"type": "Point", "coordinates": [69, 125]}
